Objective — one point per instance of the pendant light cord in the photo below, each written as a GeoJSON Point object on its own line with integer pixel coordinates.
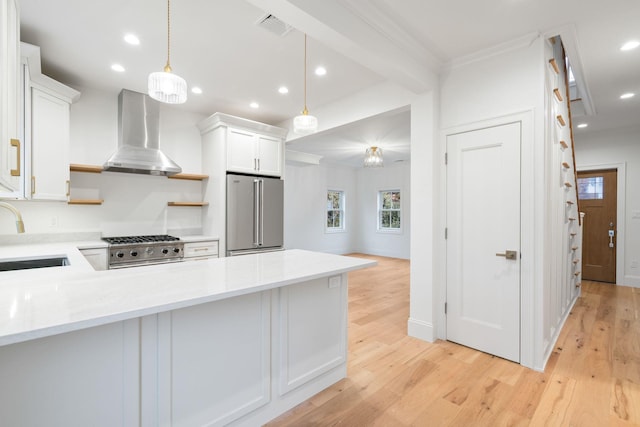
{"type": "Point", "coordinates": [305, 111]}
{"type": "Point", "coordinates": [167, 67]}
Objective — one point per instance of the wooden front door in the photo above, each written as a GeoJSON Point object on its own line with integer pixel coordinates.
{"type": "Point", "coordinates": [597, 192]}
{"type": "Point", "coordinates": [483, 243]}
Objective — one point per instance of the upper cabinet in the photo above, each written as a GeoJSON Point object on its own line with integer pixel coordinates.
{"type": "Point", "coordinates": [45, 131]}
{"type": "Point", "coordinates": [242, 145]}
{"type": "Point", "coordinates": [11, 143]}
{"type": "Point", "coordinates": [253, 153]}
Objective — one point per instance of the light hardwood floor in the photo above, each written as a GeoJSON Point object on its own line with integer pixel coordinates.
{"type": "Point", "coordinates": [592, 378]}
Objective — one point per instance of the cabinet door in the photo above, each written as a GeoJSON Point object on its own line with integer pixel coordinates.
{"type": "Point", "coordinates": [269, 156]}
{"type": "Point", "coordinates": [241, 151]}
{"type": "Point", "coordinates": [11, 144]}
{"type": "Point", "coordinates": [50, 147]}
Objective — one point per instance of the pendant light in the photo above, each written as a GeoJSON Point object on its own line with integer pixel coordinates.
{"type": "Point", "coordinates": [373, 158]}
{"type": "Point", "coordinates": [305, 124]}
{"type": "Point", "coordinates": [165, 86]}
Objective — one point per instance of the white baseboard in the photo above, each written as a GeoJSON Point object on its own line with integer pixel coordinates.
{"type": "Point", "coordinates": [421, 330]}
{"type": "Point", "coordinates": [633, 281]}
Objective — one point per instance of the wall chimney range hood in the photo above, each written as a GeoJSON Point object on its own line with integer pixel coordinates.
{"type": "Point", "coordinates": [139, 138]}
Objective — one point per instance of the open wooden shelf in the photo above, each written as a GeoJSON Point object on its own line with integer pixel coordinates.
{"type": "Point", "coordinates": [189, 176]}
{"type": "Point", "coordinates": [85, 168]}
{"type": "Point", "coordinates": [187, 203]}
{"type": "Point", "coordinates": [85, 202]}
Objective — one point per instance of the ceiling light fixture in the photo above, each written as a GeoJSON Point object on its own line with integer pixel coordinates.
{"type": "Point", "coordinates": [283, 90]}
{"type": "Point", "coordinates": [373, 158]}
{"type": "Point", "coordinates": [321, 71]}
{"type": "Point", "coordinates": [630, 45]}
{"type": "Point", "coordinates": [165, 86]}
{"type": "Point", "coordinates": [196, 90]}
{"type": "Point", "coordinates": [117, 68]}
{"type": "Point", "coordinates": [305, 124]}
{"type": "Point", "coordinates": [132, 39]}
{"type": "Point", "coordinates": [254, 105]}
{"type": "Point", "coordinates": [582, 125]}
{"type": "Point", "coordinates": [627, 95]}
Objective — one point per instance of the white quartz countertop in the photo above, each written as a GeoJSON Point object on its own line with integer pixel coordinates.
{"type": "Point", "coordinates": [47, 301]}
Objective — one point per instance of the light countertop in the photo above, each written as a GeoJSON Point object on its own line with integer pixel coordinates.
{"type": "Point", "coordinates": [47, 301]}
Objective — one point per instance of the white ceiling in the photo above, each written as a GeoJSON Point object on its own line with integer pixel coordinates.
{"type": "Point", "coordinates": [217, 46]}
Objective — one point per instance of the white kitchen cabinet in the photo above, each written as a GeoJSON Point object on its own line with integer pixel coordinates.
{"type": "Point", "coordinates": [49, 146]}
{"type": "Point", "coordinates": [205, 249]}
{"type": "Point", "coordinates": [11, 144]}
{"type": "Point", "coordinates": [97, 257]}
{"type": "Point", "coordinates": [47, 128]}
{"type": "Point", "coordinates": [253, 153]}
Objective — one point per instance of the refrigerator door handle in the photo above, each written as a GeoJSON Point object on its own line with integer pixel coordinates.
{"type": "Point", "coordinates": [261, 210]}
{"type": "Point", "coordinates": [256, 212]}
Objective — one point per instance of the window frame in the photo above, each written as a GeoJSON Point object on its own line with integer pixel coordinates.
{"type": "Point", "coordinates": [379, 210]}
{"type": "Point", "coordinates": [342, 211]}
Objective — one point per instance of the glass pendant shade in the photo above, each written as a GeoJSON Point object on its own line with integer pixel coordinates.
{"type": "Point", "coordinates": [305, 124]}
{"type": "Point", "coordinates": [167, 87]}
{"type": "Point", "coordinates": [373, 158]}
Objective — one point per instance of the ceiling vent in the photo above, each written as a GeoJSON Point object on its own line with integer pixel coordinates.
{"type": "Point", "coordinates": [274, 25]}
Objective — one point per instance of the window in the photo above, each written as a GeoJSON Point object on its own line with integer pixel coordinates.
{"type": "Point", "coordinates": [591, 188]}
{"type": "Point", "coordinates": [335, 210]}
{"type": "Point", "coordinates": [389, 210]}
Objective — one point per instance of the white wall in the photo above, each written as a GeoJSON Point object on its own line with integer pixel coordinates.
{"type": "Point", "coordinates": [614, 147]}
{"type": "Point", "coordinates": [305, 209]}
{"type": "Point", "coordinates": [305, 195]}
{"type": "Point", "coordinates": [133, 204]}
{"type": "Point", "coordinates": [369, 239]}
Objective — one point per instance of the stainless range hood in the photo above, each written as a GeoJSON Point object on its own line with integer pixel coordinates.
{"type": "Point", "coordinates": [139, 138]}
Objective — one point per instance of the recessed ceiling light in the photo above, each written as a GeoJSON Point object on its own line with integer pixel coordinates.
{"type": "Point", "coordinates": [582, 125]}
{"type": "Point", "coordinates": [132, 39]}
{"type": "Point", "coordinates": [254, 105]}
{"type": "Point", "coordinates": [321, 71]}
{"type": "Point", "coordinates": [627, 95]}
{"type": "Point", "coordinates": [630, 45]}
{"type": "Point", "coordinates": [117, 67]}
{"type": "Point", "coordinates": [283, 89]}
{"type": "Point", "coordinates": [196, 90]}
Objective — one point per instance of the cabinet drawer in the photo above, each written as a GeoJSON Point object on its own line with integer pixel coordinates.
{"type": "Point", "coordinates": [207, 249]}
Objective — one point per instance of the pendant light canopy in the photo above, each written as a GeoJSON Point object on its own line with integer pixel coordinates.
{"type": "Point", "coordinates": [164, 86]}
{"type": "Point", "coordinates": [305, 124]}
{"type": "Point", "coordinates": [373, 158]}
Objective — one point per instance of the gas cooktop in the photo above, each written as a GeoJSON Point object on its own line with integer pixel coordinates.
{"type": "Point", "coordinates": [132, 240]}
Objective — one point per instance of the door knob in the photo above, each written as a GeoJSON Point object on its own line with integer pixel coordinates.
{"type": "Point", "coordinates": [509, 254]}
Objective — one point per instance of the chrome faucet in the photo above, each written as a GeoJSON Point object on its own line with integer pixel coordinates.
{"type": "Point", "coordinates": [16, 212]}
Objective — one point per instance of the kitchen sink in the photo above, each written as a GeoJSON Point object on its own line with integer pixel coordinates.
{"type": "Point", "coordinates": [28, 263]}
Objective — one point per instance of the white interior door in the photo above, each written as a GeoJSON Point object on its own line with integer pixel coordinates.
{"type": "Point", "coordinates": [483, 223]}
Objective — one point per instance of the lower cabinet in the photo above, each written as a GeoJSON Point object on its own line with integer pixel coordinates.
{"type": "Point", "coordinates": [241, 361]}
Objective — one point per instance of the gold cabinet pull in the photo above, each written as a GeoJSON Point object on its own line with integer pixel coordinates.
{"type": "Point", "coordinates": [17, 171]}
{"type": "Point", "coordinates": [33, 185]}
{"type": "Point", "coordinates": [68, 188]}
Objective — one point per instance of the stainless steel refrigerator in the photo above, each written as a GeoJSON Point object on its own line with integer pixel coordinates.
{"type": "Point", "coordinates": [255, 208]}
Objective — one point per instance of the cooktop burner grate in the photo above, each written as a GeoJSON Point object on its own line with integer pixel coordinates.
{"type": "Point", "coordinates": [129, 240]}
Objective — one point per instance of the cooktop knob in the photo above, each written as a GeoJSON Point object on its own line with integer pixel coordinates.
{"type": "Point", "coordinates": [176, 250]}
{"type": "Point", "coordinates": [120, 254]}
{"type": "Point", "coordinates": [133, 253]}
{"type": "Point", "coordinates": [149, 251]}
{"type": "Point", "coordinates": [165, 251]}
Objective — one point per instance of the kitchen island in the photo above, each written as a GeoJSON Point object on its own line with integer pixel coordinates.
{"type": "Point", "coordinates": [223, 341]}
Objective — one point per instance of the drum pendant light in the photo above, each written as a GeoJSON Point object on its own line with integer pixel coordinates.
{"type": "Point", "coordinates": [165, 86]}
{"type": "Point", "coordinates": [305, 123]}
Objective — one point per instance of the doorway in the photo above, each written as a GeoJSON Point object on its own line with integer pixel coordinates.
{"type": "Point", "coordinates": [597, 193]}
{"type": "Point", "coordinates": [483, 241]}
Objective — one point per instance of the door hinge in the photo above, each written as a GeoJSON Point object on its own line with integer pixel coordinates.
{"type": "Point", "coordinates": [446, 233]}
{"type": "Point", "coordinates": [446, 158]}
{"type": "Point", "coordinates": [445, 308]}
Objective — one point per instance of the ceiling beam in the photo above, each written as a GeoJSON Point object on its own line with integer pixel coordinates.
{"type": "Point", "coordinates": [363, 34]}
